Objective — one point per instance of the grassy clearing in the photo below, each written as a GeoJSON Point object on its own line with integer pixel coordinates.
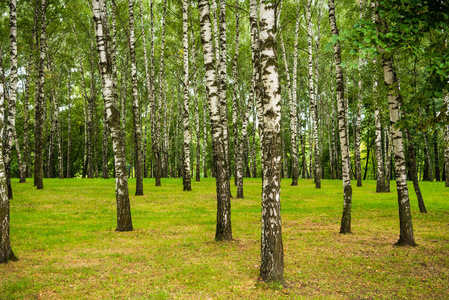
{"type": "Point", "coordinates": [64, 237]}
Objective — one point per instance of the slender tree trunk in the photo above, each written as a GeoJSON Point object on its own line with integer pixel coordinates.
{"type": "Point", "coordinates": [345, 158]}
{"type": "Point", "coordinates": [435, 155]}
{"type": "Point", "coordinates": [313, 116]}
{"type": "Point", "coordinates": [241, 143]}
{"type": "Point", "coordinates": [136, 113]}
{"type": "Point", "coordinates": [255, 56]}
{"type": "Point", "coordinates": [272, 253]}
{"type": "Point", "coordinates": [358, 163]}
{"type": "Point", "coordinates": [12, 98]}
{"type": "Point", "coordinates": [292, 106]}
{"type": "Point", "coordinates": [69, 127]}
{"type": "Point", "coordinates": [394, 99]}
{"type": "Point", "coordinates": [253, 152]}
{"type": "Point", "coordinates": [39, 104]}
{"type": "Point", "coordinates": [204, 136]}
{"type": "Point", "coordinates": [387, 159]}
{"type": "Point", "coordinates": [429, 158]}
{"type": "Point", "coordinates": [380, 185]}
{"type": "Point", "coordinates": [185, 119]}
{"type": "Point", "coordinates": [26, 135]}
{"type": "Point", "coordinates": [295, 106]}
{"type": "Point", "coordinates": [446, 144]}
{"type": "Point", "coordinates": [414, 172]}
{"type": "Point", "coordinates": [124, 221]}
{"type": "Point", "coordinates": [238, 159]}
{"type": "Point", "coordinates": [223, 229]}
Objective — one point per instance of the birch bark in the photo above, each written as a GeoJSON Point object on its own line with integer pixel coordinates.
{"type": "Point", "coordinates": [39, 104]}
{"type": "Point", "coordinates": [272, 253]}
{"type": "Point", "coordinates": [313, 102]}
{"type": "Point", "coordinates": [6, 253]}
{"type": "Point", "coordinates": [136, 105]}
{"type": "Point", "coordinates": [185, 115]}
{"type": "Point", "coordinates": [345, 158]}
{"type": "Point", "coordinates": [223, 229]}
{"type": "Point", "coordinates": [124, 221]}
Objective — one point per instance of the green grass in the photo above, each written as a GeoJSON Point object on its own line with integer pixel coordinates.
{"type": "Point", "coordinates": [64, 237]}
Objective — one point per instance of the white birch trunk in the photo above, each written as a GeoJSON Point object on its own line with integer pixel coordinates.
{"type": "Point", "coordinates": [185, 118]}
{"type": "Point", "coordinates": [223, 229]}
{"type": "Point", "coordinates": [345, 158]}
{"type": "Point", "coordinates": [136, 105]}
{"type": "Point", "coordinates": [272, 253]}
{"type": "Point", "coordinates": [124, 221]}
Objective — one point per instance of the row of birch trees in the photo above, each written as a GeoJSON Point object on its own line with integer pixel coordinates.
{"type": "Point", "coordinates": [193, 89]}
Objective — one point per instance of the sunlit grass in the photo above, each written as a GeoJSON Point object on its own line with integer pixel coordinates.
{"type": "Point", "coordinates": [64, 237]}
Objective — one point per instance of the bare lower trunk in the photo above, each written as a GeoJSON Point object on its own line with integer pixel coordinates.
{"type": "Point", "coordinates": [380, 185]}
{"type": "Point", "coordinates": [429, 158]}
{"type": "Point", "coordinates": [387, 159]}
{"type": "Point", "coordinates": [345, 158]}
{"type": "Point", "coordinates": [204, 136]}
{"type": "Point", "coordinates": [414, 172]}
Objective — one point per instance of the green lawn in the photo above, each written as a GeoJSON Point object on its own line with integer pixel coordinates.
{"type": "Point", "coordinates": [64, 237]}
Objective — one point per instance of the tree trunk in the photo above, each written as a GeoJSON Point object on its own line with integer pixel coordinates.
{"type": "Point", "coordinates": [435, 154]}
{"type": "Point", "coordinates": [414, 172]}
{"type": "Point", "coordinates": [446, 144]}
{"type": "Point", "coordinates": [313, 116]}
{"type": "Point", "coordinates": [124, 221]}
{"type": "Point", "coordinates": [223, 229]}
{"type": "Point", "coordinates": [380, 185]}
{"type": "Point", "coordinates": [39, 105]}
{"type": "Point", "coordinates": [292, 106]}
{"type": "Point", "coordinates": [429, 158]}
{"type": "Point", "coordinates": [394, 98]}
{"type": "Point", "coordinates": [357, 159]}
{"type": "Point", "coordinates": [12, 98]}
{"type": "Point", "coordinates": [136, 111]}
{"type": "Point", "coordinates": [387, 159]}
{"type": "Point", "coordinates": [185, 115]}
{"type": "Point", "coordinates": [345, 158]}
{"type": "Point", "coordinates": [6, 253]}
{"type": "Point", "coordinates": [272, 253]}
{"type": "Point", "coordinates": [255, 55]}
{"type": "Point", "coordinates": [241, 143]}
{"type": "Point", "coordinates": [204, 137]}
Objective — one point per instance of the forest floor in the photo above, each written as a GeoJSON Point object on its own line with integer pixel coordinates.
{"type": "Point", "coordinates": [64, 237]}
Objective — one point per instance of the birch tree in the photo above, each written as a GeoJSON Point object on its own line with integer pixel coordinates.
{"type": "Point", "coordinates": [223, 228]}
{"type": "Point", "coordinates": [6, 253]}
{"type": "Point", "coordinates": [136, 105]}
{"type": "Point", "coordinates": [39, 103]}
{"type": "Point", "coordinates": [345, 158]}
{"type": "Point", "coordinates": [12, 98]}
{"type": "Point", "coordinates": [406, 236]}
{"type": "Point", "coordinates": [272, 253]}
{"type": "Point", "coordinates": [124, 221]}
{"type": "Point", "coordinates": [185, 118]}
{"type": "Point", "coordinates": [313, 115]}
